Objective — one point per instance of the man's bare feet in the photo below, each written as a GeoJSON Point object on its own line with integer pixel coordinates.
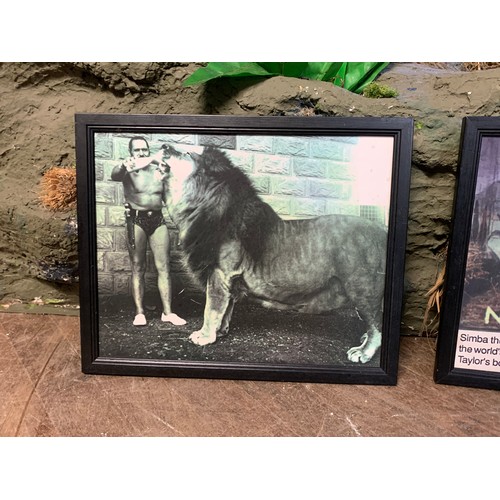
{"type": "Point", "coordinates": [140, 320]}
{"type": "Point", "coordinates": [173, 318]}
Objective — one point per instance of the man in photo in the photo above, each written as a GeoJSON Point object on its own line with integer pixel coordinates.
{"type": "Point", "coordinates": [145, 196]}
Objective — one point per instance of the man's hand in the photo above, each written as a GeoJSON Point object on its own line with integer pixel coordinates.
{"type": "Point", "coordinates": [129, 164]}
{"type": "Point", "coordinates": [140, 163]}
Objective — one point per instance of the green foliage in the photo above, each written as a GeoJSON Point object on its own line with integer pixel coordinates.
{"type": "Point", "coordinates": [55, 301]}
{"type": "Point", "coordinates": [375, 90]}
{"type": "Point", "coordinates": [353, 76]}
{"type": "Point", "coordinates": [218, 70]}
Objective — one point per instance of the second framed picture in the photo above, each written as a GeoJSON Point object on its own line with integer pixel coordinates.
{"type": "Point", "coordinates": [263, 248]}
{"type": "Point", "coordinates": [468, 349]}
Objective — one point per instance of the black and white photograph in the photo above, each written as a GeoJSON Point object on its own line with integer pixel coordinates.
{"type": "Point", "coordinates": [469, 349]}
{"type": "Point", "coordinates": [232, 247]}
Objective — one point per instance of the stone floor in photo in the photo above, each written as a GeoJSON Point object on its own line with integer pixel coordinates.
{"type": "Point", "coordinates": [257, 335]}
{"type": "Point", "coordinates": [43, 392]}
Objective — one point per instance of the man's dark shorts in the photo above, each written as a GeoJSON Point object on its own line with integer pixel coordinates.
{"type": "Point", "coordinates": [148, 220]}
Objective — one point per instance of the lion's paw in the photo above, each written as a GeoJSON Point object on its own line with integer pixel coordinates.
{"type": "Point", "coordinates": [199, 338]}
{"type": "Point", "coordinates": [358, 355]}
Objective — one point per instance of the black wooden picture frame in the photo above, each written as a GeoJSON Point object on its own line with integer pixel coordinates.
{"type": "Point", "coordinates": [468, 346]}
{"type": "Point", "coordinates": [302, 167]}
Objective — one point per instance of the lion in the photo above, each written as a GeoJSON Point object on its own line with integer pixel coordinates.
{"type": "Point", "coordinates": [236, 245]}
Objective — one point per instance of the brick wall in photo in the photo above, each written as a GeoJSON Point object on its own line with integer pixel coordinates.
{"type": "Point", "coordinates": [299, 177]}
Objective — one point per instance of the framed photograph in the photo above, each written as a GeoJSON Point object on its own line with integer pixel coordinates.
{"type": "Point", "coordinates": [468, 347]}
{"type": "Point", "coordinates": [260, 248]}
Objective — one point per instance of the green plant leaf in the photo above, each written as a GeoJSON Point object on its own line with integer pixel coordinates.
{"type": "Point", "coordinates": [353, 76]}
{"type": "Point", "coordinates": [360, 74]}
{"type": "Point", "coordinates": [225, 69]}
{"type": "Point", "coordinates": [325, 71]}
{"type": "Point", "coordinates": [317, 70]}
{"type": "Point", "coordinates": [293, 69]}
{"type": "Point", "coordinates": [340, 75]}
{"type": "Point", "coordinates": [335, 72]}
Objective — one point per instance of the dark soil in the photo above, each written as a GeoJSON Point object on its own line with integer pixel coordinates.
{"type": "Point", "coordinates": [257, 335]}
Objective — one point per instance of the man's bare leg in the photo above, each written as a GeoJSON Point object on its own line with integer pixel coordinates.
{"type": "Point", "coordinates": [138, 263]}
{"type": "Point", "coordinates": [159, 242]}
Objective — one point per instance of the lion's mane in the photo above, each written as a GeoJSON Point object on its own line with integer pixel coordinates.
{"type": "Point", "coordinates": [221, 205]}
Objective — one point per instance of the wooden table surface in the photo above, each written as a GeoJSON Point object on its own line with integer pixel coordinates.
{"type": "Point", "coordinates": [44, 393]}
